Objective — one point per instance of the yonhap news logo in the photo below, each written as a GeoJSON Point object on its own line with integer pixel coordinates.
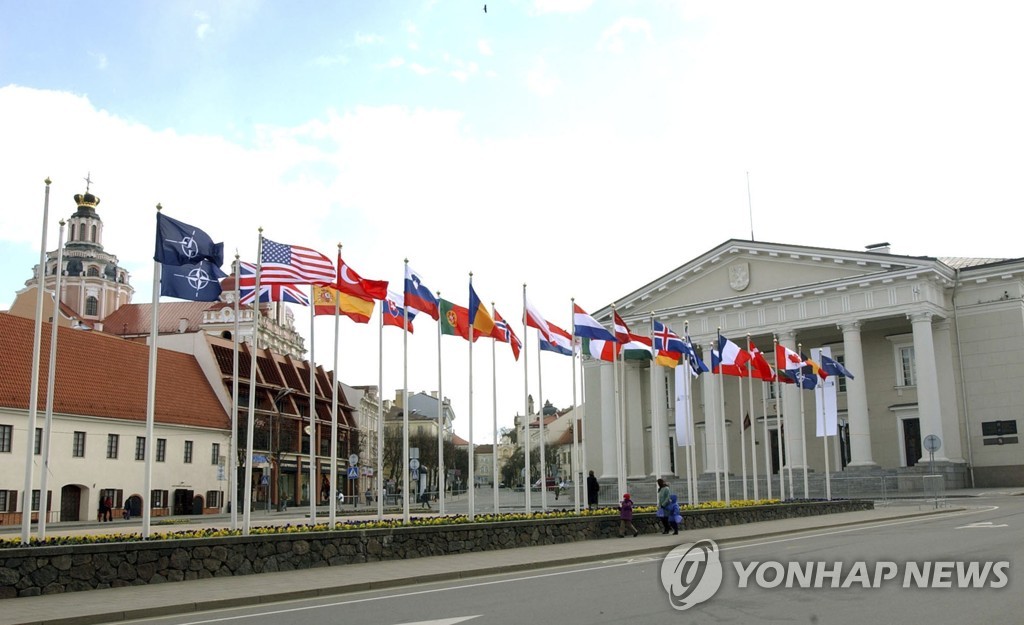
{"type": "Point", "coordinates": [693, 572]}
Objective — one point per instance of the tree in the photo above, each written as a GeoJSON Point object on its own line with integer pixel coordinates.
{"type": "Point", "coordinates": [512, 470]}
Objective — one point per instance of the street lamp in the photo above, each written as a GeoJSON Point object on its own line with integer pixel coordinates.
{"type": "Point", "coordinates": [276, 449]}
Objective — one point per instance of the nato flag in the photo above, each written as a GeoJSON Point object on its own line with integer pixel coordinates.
{"type": "Point", "coordinates": [199, 282]}
{"type": "Point", "coordinates": [178, 243]}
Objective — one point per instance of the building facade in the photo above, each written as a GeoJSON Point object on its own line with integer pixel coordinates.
{"type": "Point", "coordinates": [936, 347]}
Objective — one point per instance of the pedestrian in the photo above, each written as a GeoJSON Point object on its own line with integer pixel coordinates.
{"type": "Point", "coordinates": [369, 496]}
{"type": "Point", "coordinates": [108, 507]}
{"type": "Point", "coordinates": [664, 501]}
{"type": "Point", "coordinates": [673, 513]}
{"type": "Point", "coordinates": [341, 499]}
{"type": "Point", "coordinates": [101, 513]}
{"type": "Point", "coordinates": [592, 489]}
{"type": "Point", "coordinates": [325, 489]}
{"type": "Point", "coordinates": [127, 512]}
{"type": "Point", "coordinates": [626, 517]}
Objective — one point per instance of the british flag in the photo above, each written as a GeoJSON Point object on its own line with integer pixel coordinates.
{"type": "Point", "coordinates": [268, 292]}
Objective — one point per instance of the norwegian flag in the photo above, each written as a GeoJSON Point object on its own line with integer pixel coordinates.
{"type": "Point", "coordinates": [268, 292]}
{"type": "Point", "coordinates": [503, 332]}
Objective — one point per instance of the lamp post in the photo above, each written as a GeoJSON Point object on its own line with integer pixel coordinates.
{"type": "Point", "coordinates": [276, 449]}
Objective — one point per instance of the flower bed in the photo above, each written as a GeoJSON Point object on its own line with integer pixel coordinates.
{"type": "Point", "coordinates": [67, 564]}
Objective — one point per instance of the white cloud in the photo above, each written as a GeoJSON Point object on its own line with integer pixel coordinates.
{"type": "Point", "coordinates": [613, 39]}
{"type": "Point", "coordinates": [540, 80]}
{"type": "Point", "coordinates": [328, 61]}
{"type": "Point", "coordinates": [484, 47]}
{"type": "Point", "coordinates": [561, 6]}
{"type": "Point", "coordinates": [362, 39]}
{"type": "Point", "coordinates": [203, 28]}
{"type": "Point", "coordinates": [420, 69]}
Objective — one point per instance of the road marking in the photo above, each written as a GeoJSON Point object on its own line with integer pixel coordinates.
{"type": "Point", "coordinates": [444, 621]}
{"type": "Point", "coordinates": [981, 525]}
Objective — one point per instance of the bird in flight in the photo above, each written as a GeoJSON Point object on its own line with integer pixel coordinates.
{"type": "Point", "coordinates": [485, 8]}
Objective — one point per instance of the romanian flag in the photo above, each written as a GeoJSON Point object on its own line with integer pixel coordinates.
{"type": "Point", "coordinates": [479, 318]}
{"type": "Point", "coordinates": [356, 309]}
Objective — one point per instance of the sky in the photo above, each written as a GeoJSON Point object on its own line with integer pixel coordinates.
{"type": "Point", "coordinates": [580, 147]}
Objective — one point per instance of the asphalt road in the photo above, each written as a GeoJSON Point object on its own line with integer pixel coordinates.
{"type": "Point", "coordinates": [632, 590]}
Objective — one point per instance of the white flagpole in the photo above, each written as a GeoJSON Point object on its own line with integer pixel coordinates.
{"type": "Point", "coordinates": [332, 500]}
{"type": "Point", "coordinates": [494, 417]}
{"type": "Point", "coordinates": [743, 445]}
{"type": "Point", "coordinates": [440, 426]}
{"type": "Point", "coordinates": [753, 428]}
{"type": "Point", "coordinates": [574, 463]}
{"type": "Point", "coordinates": [803, 428]}
{"type": "Point", "coordinates": [655, 410]}
{"type": "Point", "coordinates": [380, 413]}
{"type": "Point", "coordinates": [526, 412]}
{"type": "Point", "coordinates": [725, 438]}
{"type": "Point", "coordinates": [147, 488]}
{"type": "Point", "coordinates": [44, 475]}
{"type": "Point", "coordinates": [405, 409]}
{"type": "Point", "coordinates": [766, 437]}
{"type": "Point", "coordinates": [472, 449]}
{"type": "Point", "coordinates": [232, 461]}
{"type": "Point", "coordinates": [577, 477]}
{"type": "Point", "coordinates": [540, 429]}
{"type": "Point", "coordinates": [691, 450]}
{"type": "Point", "coordinates": [824, 441]}
{"type": "Point", "coordinates": [313, 490]}
{"type": "Point", "coordinates": [30, 430]}
{"type": "Point", "coordinates": [253, 365]}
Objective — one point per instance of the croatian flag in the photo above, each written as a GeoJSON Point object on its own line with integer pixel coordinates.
{"type": "Point", "coordinates": [417, 296]}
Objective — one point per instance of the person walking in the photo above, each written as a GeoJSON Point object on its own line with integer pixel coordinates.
{"type": "Point", "coordinates": [592, 489]}
{"type": "Point", "coordinates": [674, 515]}
{"type": "Point", "coordinates": [664, 501]}
{"type": "Point", "coordinates": [626, 517]}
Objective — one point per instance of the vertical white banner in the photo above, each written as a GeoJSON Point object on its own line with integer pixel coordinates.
{"type": "Point", "coordinates": [825, 399]}
{"type": "Point", "coordinates": [683, 405]}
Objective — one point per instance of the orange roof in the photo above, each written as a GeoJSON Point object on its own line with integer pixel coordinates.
{"type": "Point", "coordinates": [105, 376]}
{"type": "Point", "coordinates": [134, 319]}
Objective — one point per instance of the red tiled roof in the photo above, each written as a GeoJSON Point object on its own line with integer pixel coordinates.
{"type": "Point", "coordinates": [134, 319]}
{"type": "Point", "coordinates": [104, 376]}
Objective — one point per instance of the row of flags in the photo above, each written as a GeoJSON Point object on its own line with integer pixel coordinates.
{"type": "Point", "coordinates": [191, 270]}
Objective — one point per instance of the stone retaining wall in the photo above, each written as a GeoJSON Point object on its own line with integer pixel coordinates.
{"type": "Point", "coordinates": [30, 571]}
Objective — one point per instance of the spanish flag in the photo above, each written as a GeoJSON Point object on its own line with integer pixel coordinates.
{"type": "Point", "coordinates": [356, 309]}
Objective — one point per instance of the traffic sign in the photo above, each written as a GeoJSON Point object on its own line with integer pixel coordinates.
{"type": "Point", "coordinates": [353, 459]}
{"type": "Point", "coordinates": [414, 464]}
{"type": "Point", "coordinates": [265, 481]}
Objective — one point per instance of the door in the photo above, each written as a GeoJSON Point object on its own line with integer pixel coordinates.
{"type": "Point", "coordinates": [70, 503]}
{"type": "Point", "coordinates": [182, 502]}
{"type": "Point", "coordinates": [912, 440]}
{"type": "Point", "coordinates": [776, 463]}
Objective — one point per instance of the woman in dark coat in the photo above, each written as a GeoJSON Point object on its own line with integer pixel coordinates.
{"type": "Point", "coordinates": [592, 489]}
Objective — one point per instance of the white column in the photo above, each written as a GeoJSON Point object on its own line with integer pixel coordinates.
{"type": "Point", "coordinates": [952, 443]}
{"type": "Point", "coordinates": [712, 432]}
{"type": "Point", "coordinates": [928, 404]}
{"type": "Point", "coordinates": [608, 426]}
{"type": "Point", "coordinates": [659, 421]}
{"type": "Point", "coordinates": [857, 397]}
{"type": "Point", "coordinates": [634, 420]}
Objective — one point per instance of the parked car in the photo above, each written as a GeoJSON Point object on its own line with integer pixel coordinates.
{"type": "Point", "coordinates": [552, 484]}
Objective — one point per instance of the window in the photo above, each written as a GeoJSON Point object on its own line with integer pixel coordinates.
{"type": "Point", "coordinates": [92, 306]}
{"type": "Point", "coordinates": [78, 445]}
{"type": "Point", "coordinates": [35, 500]}
{"type": "Point", "coordinates": [188, 452]}
{"type": "Point", "coordinates": [71, 235]}
{"type": "Point", "coordinates": [215, 454]}
{"type": "Point", "coordinates": [94, 234]}
{"type": "Point", "coordinates": [92, 271]}
{"type": "Point", "coordinates": [906, 374]}
{"type": "Point", "coordinates": [140, 447]}
{"type": "Point", "coordinates": [841, 383]}
{"type": "Point", "coordinates": [39, 442]}
{"type": "Point", "coordinates": [8, 500]}
{"type": "Point", "coordinates": [113, 442]}
{"type": "Point", "coordinates": [116, 496]}
{"type": "Point", "coordinates": [214, 499]}
{"type": "Point", "coordinates": [159, 499]}
{"type": "Point", "coordinates": [6, 433]}
{"type": "Point", "coordinates": [161, 449]}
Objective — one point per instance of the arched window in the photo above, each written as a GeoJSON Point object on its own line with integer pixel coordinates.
{"type": "Point", "coordinates": [92, 271]}
{"type": "Point", "coordinates": [71, 233]}
{"type": "Point", "coordinates": [94, 234]}
{"type": "Point", "coordinates": [92, 306]}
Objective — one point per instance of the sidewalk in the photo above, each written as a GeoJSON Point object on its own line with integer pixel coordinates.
{"type": "Point", "coordinates": [116, 604]}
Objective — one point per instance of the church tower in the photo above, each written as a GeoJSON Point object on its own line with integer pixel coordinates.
{"type": "Point", "coordinates": [93, 285]}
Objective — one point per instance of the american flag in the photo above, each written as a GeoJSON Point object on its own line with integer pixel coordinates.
{"type": "Point", "coordinates": [292, 264]}
{"type": "Point", "coordinates": [268, 292]}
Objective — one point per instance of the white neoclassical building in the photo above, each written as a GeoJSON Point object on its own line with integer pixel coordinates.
{"type": "Point", "coordinates": [936, 346]}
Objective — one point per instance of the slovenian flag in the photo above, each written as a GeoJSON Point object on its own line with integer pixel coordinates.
{"type": "Point", "coordinates": [417, 296]}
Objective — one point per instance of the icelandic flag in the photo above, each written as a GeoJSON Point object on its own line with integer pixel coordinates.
{"type": "Point", "coordinates": [178, 243]}
{"type": "Point", "coordinates": [417, 296]}
{"type": "Point", "coordinates": [585, 326]}
{"type": "Point", "coordinates": [199, 282]}
{"type": "Point", "coordinates": [560, 343]}
{"type": "Point", "coordinates": [665, 340]}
